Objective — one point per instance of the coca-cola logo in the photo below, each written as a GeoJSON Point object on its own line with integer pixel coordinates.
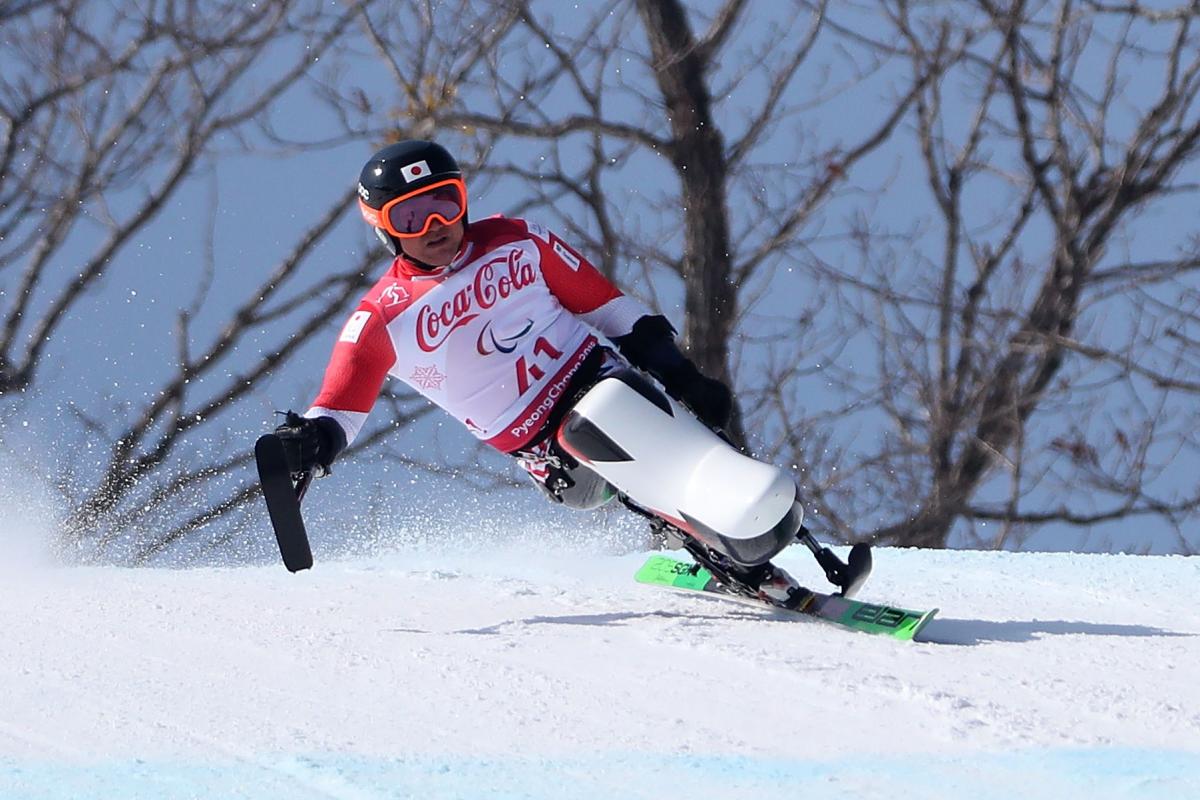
{"type": "Point", "coordinates": [495, 280]}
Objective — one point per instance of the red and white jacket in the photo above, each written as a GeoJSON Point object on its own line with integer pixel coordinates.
{"type": "Point", "coordinates": [493, 338]}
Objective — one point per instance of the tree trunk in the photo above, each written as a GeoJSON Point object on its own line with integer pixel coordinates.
{"type": "Point", "coordinates": [698, 152]}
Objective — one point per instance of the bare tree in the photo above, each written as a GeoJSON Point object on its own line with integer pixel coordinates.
{"type": "Point", "coordinates": [106, 114]}
{"type": "Point", "coordinates": [1035, 352]}
{"type": "Point", "coordinates": [981, 386]}
{"type": "Point", "coordinates": [175, 465]}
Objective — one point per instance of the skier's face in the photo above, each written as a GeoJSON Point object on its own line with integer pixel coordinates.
{"type": "Point", "coordinates": [438, 246]}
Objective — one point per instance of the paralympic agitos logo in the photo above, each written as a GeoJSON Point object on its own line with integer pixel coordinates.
{"type": "Point", "coordinates": [499, 344]}
{"type": "Point", "coordinates": [494, 281]}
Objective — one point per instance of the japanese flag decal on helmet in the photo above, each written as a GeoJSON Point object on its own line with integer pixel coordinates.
{"type": "Point", "coordinates": [415, 171]}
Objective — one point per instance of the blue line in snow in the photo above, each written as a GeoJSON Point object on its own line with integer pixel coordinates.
{"type": "Point", "coordinates": [1097, 774]}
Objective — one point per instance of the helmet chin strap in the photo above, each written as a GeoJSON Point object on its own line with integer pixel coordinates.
{"type": "Point", "coordinates": [388, 242]}
{"type": "Point", "coordinates": [418, 263]}
{"type": "Point", "coordinates": [421, 265]}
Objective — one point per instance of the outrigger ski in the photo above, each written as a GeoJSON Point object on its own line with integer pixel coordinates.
{"type": "Point", "coordinates": [283, 493]}
{"type": "Point", "coordinates": [899, 623]}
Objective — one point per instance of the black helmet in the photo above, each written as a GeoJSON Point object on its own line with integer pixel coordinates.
{"type": "Point", "coordinates": [400, 169]}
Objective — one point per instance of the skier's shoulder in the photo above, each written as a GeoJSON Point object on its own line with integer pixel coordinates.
{"type": "Point", "coordinates": [391, 294]}
{"type": "Point", "coordinates": [498, 230]}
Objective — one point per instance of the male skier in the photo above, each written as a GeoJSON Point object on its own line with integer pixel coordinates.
{"type": "Point", "coordinates": [494, 320]}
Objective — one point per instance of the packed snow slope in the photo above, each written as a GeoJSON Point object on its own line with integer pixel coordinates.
{"type": "Point", "coordinates": [524, 672]}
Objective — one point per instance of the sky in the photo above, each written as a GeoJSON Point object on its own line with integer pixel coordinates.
{"type": "Point", "coordinates": [261, 204]}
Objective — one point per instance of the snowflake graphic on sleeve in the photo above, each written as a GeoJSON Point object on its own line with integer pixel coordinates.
{"type": "Point", "coordinates": [427, 377]}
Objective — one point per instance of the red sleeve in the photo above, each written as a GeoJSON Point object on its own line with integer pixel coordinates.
{"type": "Point", "coordinates": [359, 364]}
{"type": "Point", "coordinates": [578, 285]}
{"type": "Point", "coordinates": [583, 290]}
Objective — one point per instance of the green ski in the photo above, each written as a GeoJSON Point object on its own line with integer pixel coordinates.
{"type": "Point", "coordinates": [660, 570]}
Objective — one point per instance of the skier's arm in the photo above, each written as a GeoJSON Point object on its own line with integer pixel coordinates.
{"type": "Point", "coordinates": [651, 346]}
{"type": "Point", "coordinates": [645, 338]}
{"type": "Point", "coordinates": [355, 374]}
{"type": "Point", "coordinates": [584, 291]}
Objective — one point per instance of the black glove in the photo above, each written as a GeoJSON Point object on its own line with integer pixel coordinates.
{"type": "Point", "coordinates": [310, 444]}
{"type": "Point", "coordinates": [651, 346]}
{"type": "Point", "coordinates": [708, 398]}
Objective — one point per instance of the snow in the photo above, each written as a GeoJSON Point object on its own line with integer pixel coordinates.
{"type": "Point", "coordinates": [516, 671]}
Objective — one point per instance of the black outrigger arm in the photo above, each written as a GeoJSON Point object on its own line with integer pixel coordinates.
{"type": "Point", "coordinates": [849, 575]}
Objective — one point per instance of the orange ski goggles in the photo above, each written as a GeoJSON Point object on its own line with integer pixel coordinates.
{"type": "Point", "coordinates": [410, 216]}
